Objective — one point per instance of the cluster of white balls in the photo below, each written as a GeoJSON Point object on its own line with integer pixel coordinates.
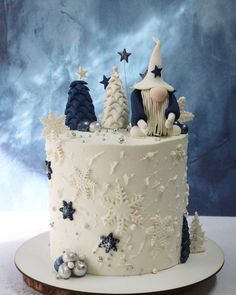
{"type": "Point", "coordinates": [70, 264]}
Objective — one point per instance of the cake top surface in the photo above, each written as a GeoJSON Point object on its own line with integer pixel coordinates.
{"type": "Point", "coordinates": [113, 137]}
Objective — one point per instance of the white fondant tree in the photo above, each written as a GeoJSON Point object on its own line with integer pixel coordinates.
{"type": "Point", "coordinates": [184, 115]}
{"type": "Point", "coordinates": [115, 112]}
{"type": "Point", "coordinates": [197, 235]}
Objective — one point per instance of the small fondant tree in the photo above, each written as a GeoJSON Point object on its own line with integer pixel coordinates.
{"type": "Point", "coordinates": [115, 112]}
{"type": "Point", "coordinates": [185, 244]}
{"type": "Point", "coordinates": [197, 235]}
{"type": "Point", "coordinates": [79, 108]}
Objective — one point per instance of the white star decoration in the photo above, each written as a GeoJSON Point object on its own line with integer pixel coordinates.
{"type": "Point", "coordinates": [160, 230]}
{"type": "Point", "coordinates": [82, 182]}
{"type": "Point", "coordinates": [54, 126]}
{"type": "Point", "coordinates": [122, 210]}
{"type": "Point", "coordinates": [82, 73]}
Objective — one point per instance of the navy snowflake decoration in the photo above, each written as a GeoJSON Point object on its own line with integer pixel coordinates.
{"type": "Point", "coordinates": [109, 243]}
{"type": "Point", "coordinates": [48, 169]}
{"type": "Point", "coordinates": [157, 71]}
{"type": "Point", "coordinates": [105, 81]}
{"type": "Point", "coordinates": [67, 210]}
{"type": "Point", "coordinates": [124, 55]}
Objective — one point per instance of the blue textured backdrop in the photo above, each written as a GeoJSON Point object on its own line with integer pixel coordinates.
{"type": "Point", "coordinates": [42, 43]}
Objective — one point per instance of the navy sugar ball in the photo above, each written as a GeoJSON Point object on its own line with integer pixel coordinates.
{"type": "Point", "coordinates": [58, 262]}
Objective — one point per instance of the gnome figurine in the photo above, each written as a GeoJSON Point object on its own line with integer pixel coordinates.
{"type": "Point", "coordinates": [153, 103]}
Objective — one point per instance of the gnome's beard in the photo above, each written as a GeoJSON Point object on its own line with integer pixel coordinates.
{"type": "Point", "coordinates": [155, 112]}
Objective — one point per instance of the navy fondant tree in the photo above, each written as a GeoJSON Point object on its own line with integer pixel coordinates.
{"type": "Point", "coordinates": [79, 108]}
{"type": "Point", "coordinates": [185, 244]}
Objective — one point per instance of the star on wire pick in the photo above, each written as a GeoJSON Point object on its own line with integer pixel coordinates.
{"type": "Point", "coordinates": [82, 73]}
{"type": "Point", "coordinates": [124, 55]}
{"type": "Point", "coordinates": [157, 71]}
{"type": "Point", "coordinates": [105, 81]}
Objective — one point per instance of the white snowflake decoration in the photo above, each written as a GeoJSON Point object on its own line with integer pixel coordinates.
{"type": "Point", "coordinates": [184, 116]}
{"type": "Point", "coordinates": [123, 210]}
{"type": "Point", "coordinates": [54, 126]}
{"type": "Point", "coordinates": [82, 182]}
{"type": "Point", "coordinates": [160, 230]}
{"type": "Point", "coordinates": [179, 153]}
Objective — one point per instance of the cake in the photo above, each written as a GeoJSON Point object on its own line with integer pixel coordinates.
{"type": "Point", "coordinates": [119, 192]}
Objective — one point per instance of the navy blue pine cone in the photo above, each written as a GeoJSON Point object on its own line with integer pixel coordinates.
{"type": "Point", "coordinates": [79, 107]}
{"type": "Point", "coordinates": [185, 244]}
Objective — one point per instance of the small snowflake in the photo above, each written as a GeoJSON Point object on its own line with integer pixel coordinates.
{"type": "Point", "coordinates": [48, 169]}
{"type": "Point", "coordinates": [123, 210]}
{"type": "Point", "coordinates": [67, 210]}
{"type": "Point", "coordinates": [82, 182]}
{"type": "Point", "coordinates": [160, 230]}
{"type": "Point", "coordinates": [179, 154]}
{"type": "Point", "coordinates": [109, 243]}
{"type": "Point", "coordinates": [54, 126]}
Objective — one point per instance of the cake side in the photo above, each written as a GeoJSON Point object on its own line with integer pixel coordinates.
{"type": "Point", "coordinates": [127, 195]}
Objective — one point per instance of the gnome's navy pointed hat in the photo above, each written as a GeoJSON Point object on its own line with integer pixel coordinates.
{"type": "Point", "coordinates": [153, 78]}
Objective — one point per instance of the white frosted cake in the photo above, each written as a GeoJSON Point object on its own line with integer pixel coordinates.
{"type": "Point", "coordinates": [119, 192]}
{"type": "Point", "coordinates": [135, 190]}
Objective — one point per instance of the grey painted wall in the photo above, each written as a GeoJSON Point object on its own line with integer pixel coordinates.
{"type": "Point", "coordinates": [42, 43]}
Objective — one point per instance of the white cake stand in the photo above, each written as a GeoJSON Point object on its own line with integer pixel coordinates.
{"type": "Point", "coordinates": [33, 260]}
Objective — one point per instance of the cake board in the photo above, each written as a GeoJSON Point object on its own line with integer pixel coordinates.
{"type": "Point", "coordinates": [33, 260]}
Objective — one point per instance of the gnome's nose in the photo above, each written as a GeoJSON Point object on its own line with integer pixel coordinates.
{"type": "Point", "coordinates": [158, 94]}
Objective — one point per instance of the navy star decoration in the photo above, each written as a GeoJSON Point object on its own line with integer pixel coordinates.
{"type": "Point", "coordinates": [109, 243]}
{"type": "Point", "coordinates": [105, 81]}
{"type": "Point", "coordinates": [157, 71]}
{"type": "Point", "coordinates": [124, 55]}
{"type": "Point", "coordinates": [67, 210]}
{"type": "Point", "coordinates": [48, 169]}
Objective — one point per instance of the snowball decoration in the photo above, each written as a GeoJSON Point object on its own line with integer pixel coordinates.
{"type": "Point", "coordinates": [115, 112]}
{"type": "Point", "coordinates": [54, 126]}
{"type": "Point", "coordinates": [79, 108]}
{"type": "Point", "coordinates": [59, 261]}
{"type": "Point", "coordinates": [185, 244]}
{"type": "Point", "coordinates": [69, 264]}
{"type": "Point", "coordinates": [94, 126]}
{"type": "Point", "coordinates": [79, 269]}
{"type": "Point", "coordinates": [197, 235]}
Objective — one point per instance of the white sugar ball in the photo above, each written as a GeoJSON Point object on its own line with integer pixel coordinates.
{"type": "Point", "coordinates": [64, 272]}
{"type": "Point", "coordinates": [94, 126]}
{"type": "Point", "coordinates": [80, 269]}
